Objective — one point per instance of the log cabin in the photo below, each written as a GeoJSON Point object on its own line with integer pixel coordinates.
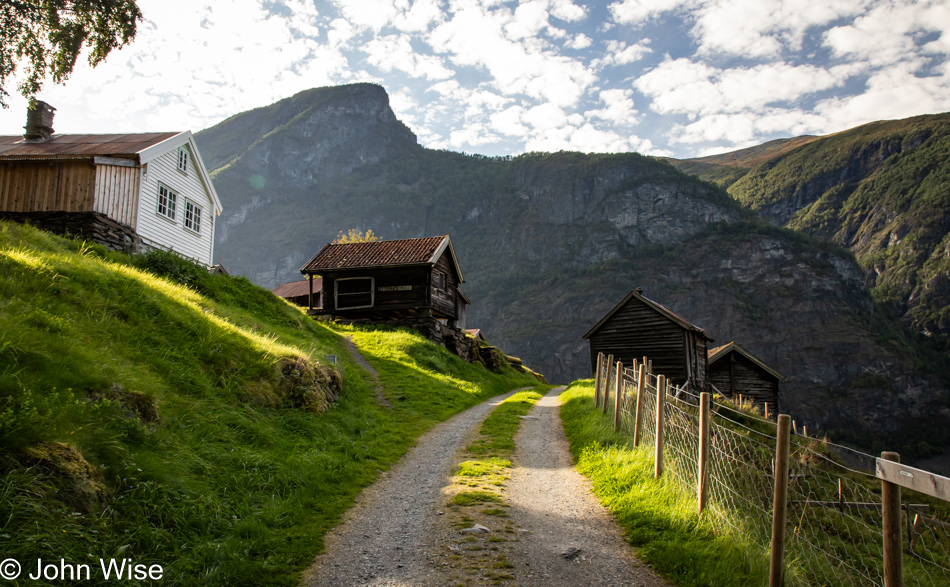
{"type": "Point", "coordinates": [734, 371]}
{"type": "Point", "coordinates": [127, 191]}
{"type": "Point", "coordinates": [383, 281]}
{"type": "Point", "coordinates": [639, 327]}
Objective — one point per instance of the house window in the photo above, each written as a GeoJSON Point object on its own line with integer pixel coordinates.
{"type": "Point", "coordinates": [439, 279]}
{"type": "Point", "coordinates": [354, 292]}
{"type": "Point", "coordinates": [182, 159]}
{"type": "Point", "coordinates": [192, 216]}
{"type": "Point", "coordinates": [167, 202]}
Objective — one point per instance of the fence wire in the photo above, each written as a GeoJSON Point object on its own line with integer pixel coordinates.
{"type": "Point", "coordinates": [835, 527]}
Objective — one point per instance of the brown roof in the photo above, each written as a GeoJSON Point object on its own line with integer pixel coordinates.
{"type": "Point", "coordinates": [476, 332]}
{"type": "Point", "coordinates": [410, 251]}
{"type": "Point", "coordinates": [656, 306]}
{"type": "Point", "coordinates": [70, 146]}
{"type": "Point", "coordinates": [721, 351]}
{"type": "Point", "coordinates": [298, 288]}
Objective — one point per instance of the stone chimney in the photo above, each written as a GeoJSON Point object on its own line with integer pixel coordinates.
{"type": "Point", "coordinates": [39, 122]}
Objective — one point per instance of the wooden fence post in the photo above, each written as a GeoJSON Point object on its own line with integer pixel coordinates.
{"type": "Point", "coordinates": [617, 387]}
{"type": "Point", "coordinates": [608, 380]}
{"type": "Point", "coordinates": [702, 472]}
{"type": "Point", "coordinates": [893, 547]}
{"type": "Point", "coordinates": [780, 504]}
{"type": "Point", "coordinates": [638, 420]}
{"type": "Point", "coordinates": [600, 374]}
{"type": "Point", "coordinates": [660, 417]}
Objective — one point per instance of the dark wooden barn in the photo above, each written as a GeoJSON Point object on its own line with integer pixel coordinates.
{"type": "Point", "coordinates": [638, 327]}
{"type": "Point", "coordinates": [298, 292]}
{"type": "Point", "coordinates": [387, 280]}
{"type": "Point", "coordinates": [735, 371]}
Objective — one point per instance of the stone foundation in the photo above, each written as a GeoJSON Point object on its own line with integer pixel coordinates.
{"type": "Point", "coordinates": [91, 226]}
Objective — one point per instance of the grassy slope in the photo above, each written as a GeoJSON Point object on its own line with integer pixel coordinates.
{"type": "Point", "coordinates": [231, 486]}
{"type": "Point", "coordinates": [659, 518]}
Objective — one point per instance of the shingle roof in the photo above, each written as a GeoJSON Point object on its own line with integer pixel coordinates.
{"type": "Point", "coordinates": [721, 351]}
{"type": "Point", "coordinates": [298, 288]}
{"type": "Point", "coordinates": [69, 146]}
{"type": "Point", "coordinates": [410, 251]}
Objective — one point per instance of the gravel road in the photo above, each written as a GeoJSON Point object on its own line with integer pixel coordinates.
{"type": "Point", "coordinates": [553, 503]}
{"type": "Point", "coordinates": [385, 538]}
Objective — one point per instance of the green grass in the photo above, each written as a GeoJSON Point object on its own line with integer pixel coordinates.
{"type": "Point", "coordinates": [497, 435]}
{"type": "Point", "coordinates": [475, 497]}
{"type": "Point", "coordinates": [659, 518]}
{"type": "Point", "coordinates": [233, 483]}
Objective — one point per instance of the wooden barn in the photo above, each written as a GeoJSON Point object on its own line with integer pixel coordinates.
{"type": "Point", "coordinates": [638, 327]}
{"type": "Point", "coordinates": [386, 280]}
{"type": "Point", "coordinates": [735, 371]}
{"type": "Point", "coordinates": [298, 292]}
{"type": "Point", "coordinates": [128, 191]}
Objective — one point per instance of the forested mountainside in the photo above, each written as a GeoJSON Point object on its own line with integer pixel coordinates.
{"type": "Point", "coordinates": [882, 190]}
{"type": "Point", "coordinates": [548, 243]}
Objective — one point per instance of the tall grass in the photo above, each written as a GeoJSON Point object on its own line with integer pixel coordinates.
{"type": "Point", "coordinates": [659, 518]}
{"type": "Point", "coordinates": [228, 485]}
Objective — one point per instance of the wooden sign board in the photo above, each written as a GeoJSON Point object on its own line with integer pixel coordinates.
{"type": "Point", "coordinates": [914, 479]}
{"type": "Point", "coordinates": [395, 288]}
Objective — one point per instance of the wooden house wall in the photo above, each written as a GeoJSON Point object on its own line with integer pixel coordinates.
{"type": "Point", "coordinates": [47, 186]}
{"type": "Point", "coordinates": [163, 232]}
{"type": "Point", "coordinates": [416, 278]}
{"type": "Point", "coordinates": [637, 330]}
{"type": "Point", "coordinates": [444, 302]}
{"type": "Point", "coordinates": [750, 380]}
{"type": "Point", "coordinates": [116, 193]}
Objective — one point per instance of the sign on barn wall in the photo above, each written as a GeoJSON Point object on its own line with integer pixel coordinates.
{"type": "Point", "coordinates": [395, 288]}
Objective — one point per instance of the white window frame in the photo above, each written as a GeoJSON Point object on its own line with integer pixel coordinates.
{"type": "Point", "coordinates": [171, 196]}
{"type": "Point", "coordinates": [336, 293]}
{"type": "Point", "coordinates": [196, 216]}
{"type": "Point", "coordinates": [183, 159]}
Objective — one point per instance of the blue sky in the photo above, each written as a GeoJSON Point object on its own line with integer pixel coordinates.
{"type": "Point", "coordinates": [681, 78]}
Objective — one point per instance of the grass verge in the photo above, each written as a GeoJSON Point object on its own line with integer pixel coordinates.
{"type": "Point", "coordinates": [150, 411]}
{"type": "Point", "coordinates": [659, 518]}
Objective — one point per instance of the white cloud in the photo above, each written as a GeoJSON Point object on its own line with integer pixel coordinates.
{"type": "Point", "coordinates": [395, 52]}
{"type": "Point", "coordinates": [581, 41]}
{"type": "Point", "coordinates": [619, 108]}
{"type": "Point", "coordinates": [681, 86]}
{"type": "Point", "coordinates": [493, 41]}
{"type": "Point", "coordinates": [619, 53]}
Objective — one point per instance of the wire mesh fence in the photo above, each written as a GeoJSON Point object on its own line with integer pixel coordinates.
{"type": "Point", "coordinates": [834, 511]}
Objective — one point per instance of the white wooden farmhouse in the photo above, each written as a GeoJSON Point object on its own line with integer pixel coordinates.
{"type": "Point", "coordinates": [128, 191]}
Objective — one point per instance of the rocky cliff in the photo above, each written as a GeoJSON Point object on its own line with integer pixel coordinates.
{"type": "Point", "coordinates": [882, 190]}
{"type": "Point", "coordinates": [548, 243]}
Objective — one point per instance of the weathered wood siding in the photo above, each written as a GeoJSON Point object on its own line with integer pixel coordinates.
{"type": "Point", "coordinates": [47, 186]}
{"type": "Point", "coordinates": [444, 301]}
{"type": "Point", "coordinates": [116, 193]}
{"type": "Point", "coordinates": [734, 374]}
{"type": "Point", "coordinates": [637, 330]}
{"type": "Point", "coordinates": [389, 287]}
{"type": "Point", "coordinates": [160, 231]}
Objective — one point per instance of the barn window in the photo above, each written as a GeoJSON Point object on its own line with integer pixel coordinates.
{"type": "Point", "coordinates": [182, 159]}
{"type": "Point", "coordinates": [354, 292]}
{"type": "Point", "coordinates": [192, 216]}
{"type": "Point", "coordinates": [439, 278]}
{"type": "Point", "coordinates": [167, 202]}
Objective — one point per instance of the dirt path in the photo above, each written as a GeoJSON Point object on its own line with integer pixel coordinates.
{"type": "Point", "coordinates": [551, 503]}
{"type": "Point", "coordinates": [386, 538]}
{"type": "Point", "coordinates": [361, 360]}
